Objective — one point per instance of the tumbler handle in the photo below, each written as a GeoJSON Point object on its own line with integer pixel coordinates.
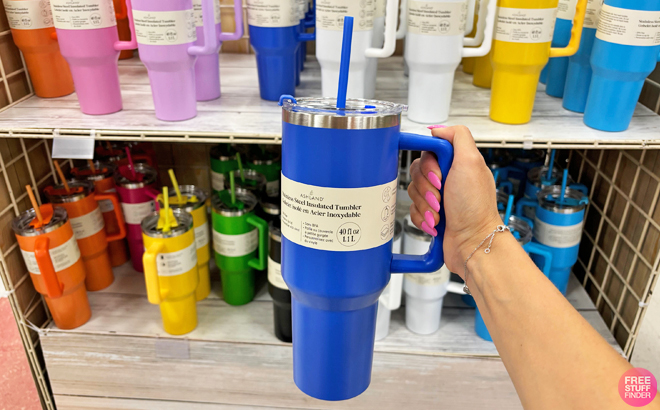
{"type": "Point", "coordinates": [46, 268]}
{"type": "Point", "coordinates": [306, 36]}
{"type": "Point", "coordinates": [123, 11]}
{"type": "Point", "coordinates": [132, 44]}
{"type": "Point", "coordinates": [153, 194]}
{"type": "Point", "coordinates": [259, 263]}
{"type": "Point", "coordinates": [576, 33]}
{"type": "Point", "coordinates": [543, 251]}
{"type": "Point", "coordinates": [580, 187]}
{"type": "Point", "coordinates": [485, 29]}
{"type": "Point", "coordinates": [522, 202]}
{"type": "Point", "coordinates": [120, 217]}
{"type": "Point", "coordinates": [238, 24]}
{"type": "Point", "coordinates": [434, 258]}
{"type": "Point", "coordinates": [390, 32]}
{"type": "Point", "coordinates": [151, 272]}
{"type": "Point", "coordinates": [403, 20]}
{"type": "Point", "coordinates": [469, 22]}
{"type": "Point", "coordinates": [210, 45]}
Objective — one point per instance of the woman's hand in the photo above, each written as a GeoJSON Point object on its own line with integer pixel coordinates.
{"type": "Point", "coordinates": [470, 202]}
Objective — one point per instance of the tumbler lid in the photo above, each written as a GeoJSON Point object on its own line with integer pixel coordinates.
{"type": "Point", "coordinates": [538, 176]}
{"type": "Point", "coordinates": [254, 181]}
{"type": "Point", "coordinates": [188, 191]}
{"type": "Point", "coordinates": [103, 170]}
{"type": "Point", "coordinates": [359, 114]}
{"type": "Point", "coordinates": [269, 207]}
{"type": "Point", "coordinates": [274, 231]}
{"type": "Point", "coordinates": [150, 224]}
{"type": "Point", "coordinates": [519, 225]}
{"type": "Point", "coordinates": [574, 200]}
{"type": "Point", "coordinates": [248, 199]}
{"type": "Point", "coordinates": [22, 225]}
{"type": "Point", "coordinates": [123, 179]}
{"type": "Point", "coordinates": [223, 152]}
{"type": "Point", "coordinates": [58, 194]}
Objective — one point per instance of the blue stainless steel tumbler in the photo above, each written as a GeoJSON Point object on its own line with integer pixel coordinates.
{"type": "Point", "coordinates": [275, 35]}
{"type": "Point", "coordinates": [625, 52]}
{"type": "Point", "coordinates": [557, 66]}
{"type": "Point", "coordinates": [339, 183]}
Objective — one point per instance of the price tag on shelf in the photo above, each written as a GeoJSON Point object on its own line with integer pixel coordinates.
{"type": "Point", "coordinates": [74, 148]}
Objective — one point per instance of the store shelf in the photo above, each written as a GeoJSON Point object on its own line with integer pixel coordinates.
{"type": "Point", "coordinates": [232, 357]}
{"type": "Point", "coordinates": [240, 115]}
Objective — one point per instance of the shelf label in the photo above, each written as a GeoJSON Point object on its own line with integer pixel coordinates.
{"type": "Point", "coordinates": [275, 274]}
{"type": "Point", "coordinates": [28, 14]}
{"type": "Point", "coordinates": [437, 18]}
{"type": "Point", "coordinates": [629, 27]}
{"type": "Point", "coordinates": [338, 219]}
{"type": "Point", "coordinates": [272, 13]}
{"type": "Point", "coordinates": [135, 213]}
{"type": "Point", "coordinates": [164, 28]}
{"type": "Point", "coordinates": [83, 14]}
{"type": "Point", "coordinates": [177, 263]}
{"type": "Point", "coordinates": [525, 25]}
{"type": "Point", "coordinates": [88, 224]}
{"type": "Point", "coordinates": [330, 14]}
{"type": "Point", "coordinates": [235, 245]}
{"type": "Point", "coordinates": [557, 236]}
{"type": "Point", "coordinates": [197, 10]}
{"type": "Point", "coordinates": [63, 257]}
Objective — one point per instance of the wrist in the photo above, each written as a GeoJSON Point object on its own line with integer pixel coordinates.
{"type": "Point", "coordinates": [473, 239]}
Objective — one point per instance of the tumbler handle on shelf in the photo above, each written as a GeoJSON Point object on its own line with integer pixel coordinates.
{"type": "Point", "coordinates": [46, 268]}
{"type": "Point", "coordinates": [112, 197]}
{"type": "Point", "coordinates": [403, 21]}
{"type": "Point", "coordinates": [151, 272]}
{"type": "Point", "coordinates": [469, 22]}
{"type": "Point", "coordinates": [132, 44]}
{"type": "Point", "coordinates": [238, 24]}
{"type": "Point", "coordinates": [259, 263]}
{"type": "Point", "coordinates": [483, 39]}
{"type": "Point", "coordinates": [576, 33]}
{"type": "Point", "coordinates": [434, 258]}
{"type": "Point", "coordinates": [541, 250]}
{"type": "Point", "coordinates": [210, 45]}
{"type": "Point", "coordinates": [390, 32]}
{"type": "Point", "coordinates": [522, 202]}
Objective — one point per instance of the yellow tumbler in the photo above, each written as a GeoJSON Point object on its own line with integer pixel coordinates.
{"type": "Point", "coordinates": [521, 49]}
{"type": "Point", "coordinates": [170, 269]}
{"type": "Point", "coordinates": [483, 71]}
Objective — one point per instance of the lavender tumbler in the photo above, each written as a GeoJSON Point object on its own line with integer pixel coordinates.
{"type": "Point", "coordinates": [165, 33]}
{"type": "Point", "coordinates": [207, 67]}
{"type": "Point", "coordinates": [87, 34]}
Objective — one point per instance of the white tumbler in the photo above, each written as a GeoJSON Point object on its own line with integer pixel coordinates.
{"type": "Point", "coordinates": [435, 45]}
{"type": "Point", "coordinates": [424, 291]}
{"type": "Point", "coordinates": [329, 25]}
{"type": "Point", "coordinates": [377, 41]}
{"type": "Point", "coordinates": [390, 299]}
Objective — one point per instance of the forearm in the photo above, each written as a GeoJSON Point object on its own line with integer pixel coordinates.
{"type": "Point", "coordinates": [555, 358]}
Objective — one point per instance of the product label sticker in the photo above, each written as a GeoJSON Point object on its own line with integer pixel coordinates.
{"type": "Point", "coordinates": [557, 236]}
{"type": "Point", "coordinates": [525, 25]}
{"type": "Point", "coordinates": [272, 13]}
{"type": "Point", "coordinates": [566, 9]}
{"type": "Point", "coordinates": [63, 257]}
{"type": "Point", "coordinates": [105, 205]}
{"type": "Point", "coordinates": [197, 10]}
{"type": "Point", "coordinates": [429, 279]}
{"type": "Point", "coordinates": [235, 245]}
{"type": "Point", "coordinates": [380, 8]}
{"type": "Point", "coordinates": [629, 27]}
{"type": "Point", "coordinates": [88, 224]}
{"type": "Point", "coordinates": [217, 181]}
{"type": "Point", "coordinates": [177, 263]}
{"type": "Point", "coordinates": [202, 235]}
{"type": "Point", "coordinates": [28, 14]}
{"type": "Point", "coordinates": [164, 28]}
{"type": "Point", "coordinates": [135, 213]}
{"type": "Point", "coordinates": [275, 274]}
{"type": "Point", "coordinates": [338, 219]}
{"type": "Point", "coordinates": [301, 9]}
{"type": "Point", "coordinates": [330, 14]}
{"type": "Point", "coordinates": [83, 14]}
{"type": "Point", "coordinates": [593, 11]}
{"type": "Point", "coordinates": [273, 188]}
{"type": "Point", "coordinates": [437, 18]}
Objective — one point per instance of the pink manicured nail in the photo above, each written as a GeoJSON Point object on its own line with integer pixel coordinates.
{"type": "Point", "coordinates": [431, 199]}
{"type": "Point", "coordinates": [429, 230]}
{"type": "Point", "coordinates": [434, 180]}
{"type": "Point", "coordinates": [428, 217]}
{"type": "Point", "coordinates": [432, 127]}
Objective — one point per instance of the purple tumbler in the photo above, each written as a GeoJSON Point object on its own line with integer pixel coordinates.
{"type": "Point", "coordinates": [165, 33]}
{"type": "Point", "coordinates": [207, 67]}
{"type": "Point", "coordinates": [87, 34]}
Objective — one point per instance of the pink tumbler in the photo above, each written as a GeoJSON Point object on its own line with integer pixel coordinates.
{"type": "Point", "coordinates": [137, 193]}
{"type": "Point", "coordinates": [165, 32]}
{"type": "Point", "coordinates": [207, 67]}
{"type": "Point", "coordinates": [87, 33]}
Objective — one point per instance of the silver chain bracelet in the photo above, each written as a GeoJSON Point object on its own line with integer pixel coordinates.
{"type": "Point", "coordinates": [491, 236]}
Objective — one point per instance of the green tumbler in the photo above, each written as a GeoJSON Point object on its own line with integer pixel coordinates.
{"type": "Point", "coordinates": [223, 160]}
{"type": "Point", "coordinates": [269, 164]}
{"type": "Point", "coordinates": [240, 242]}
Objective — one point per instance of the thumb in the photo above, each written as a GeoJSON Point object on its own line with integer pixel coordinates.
{"type": "Point", "coordinates": [460, 137]}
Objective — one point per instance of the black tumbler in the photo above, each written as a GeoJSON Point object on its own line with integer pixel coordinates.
{"type": "Point", "coordinates": [276, 286]}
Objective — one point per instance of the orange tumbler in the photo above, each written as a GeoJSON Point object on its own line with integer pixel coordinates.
{"type": "Point", "coordinates": [101, 176]}
{"type": "Point", "coordinates": [81, 205]}
{"type": "Point", "coordinates": [31, 24]}
{"type": "Point", "coordinates": [53, 259]}
{"type": "Point", "coordinates": [123, 27]}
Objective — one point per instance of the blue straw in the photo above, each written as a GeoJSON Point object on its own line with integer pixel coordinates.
{"type": "Point", "coordinates": [564, 180]}
{"type": "Point", "coordinates": [345, 62]}
{"type": "Point", "coordinates": [509, 209]}
{"type": "Point", "coordinates": [551, 164]}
